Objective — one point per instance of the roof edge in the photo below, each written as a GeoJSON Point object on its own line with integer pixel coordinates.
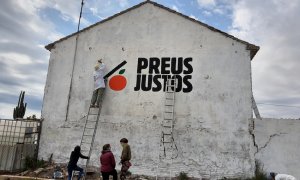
{"type": "Point", "coordinates": [51, 45]}
{"type": "Point", "coordinates": [253, 48]}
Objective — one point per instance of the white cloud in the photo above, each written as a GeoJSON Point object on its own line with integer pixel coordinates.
{"type": "Point", "coordinates": [175, 8]}
{"type": "Point", "coordinates": [206, 3]}
{"type": "Point", "coordinates": [123, 3]}
{"type": "Point", "coordinates": [194, 17]}
{"type": "Point", "coordinates": [105, 8]}
{"type": "Point", "coordinates": [6, 110]}
{"type": "Point", "coordinates": [276, 66]}
{"type": "Point", "coordinates": [68, 8]}
{"type": "Point", "coordinates": [24, 32]}
{"type": "Point", "coordinates": [207, 13]}
{"type": "Point", "coordinates": [271, 24]}
{"type": "Point", "coordinates": [216, 7]}
{"type": "Point", "coordinates": [16, 58]}
{"type": "Point", "coordinates": [218, 11]}
{"type": "Point", "coordinates": [23, 61]}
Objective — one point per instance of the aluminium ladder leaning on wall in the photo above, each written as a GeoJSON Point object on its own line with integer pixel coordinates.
{"type": "Point", "coordinates": [167, 144]}
{"type": "Point", "coordinates": [89, 132]}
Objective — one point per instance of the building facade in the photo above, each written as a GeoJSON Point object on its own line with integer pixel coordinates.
{"type": "Point", "coordinates": [213, 106]}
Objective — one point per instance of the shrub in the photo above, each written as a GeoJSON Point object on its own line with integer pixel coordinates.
{"type": "Point", "coordinates": [260, 174]}
{"type": "Point", "coordinates": [183, 176]}
{"type": "Point", "coordinates": [32, 163]}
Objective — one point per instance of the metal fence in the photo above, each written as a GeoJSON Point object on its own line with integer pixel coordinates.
{"type": "Point", "coordinates": [18, 139]}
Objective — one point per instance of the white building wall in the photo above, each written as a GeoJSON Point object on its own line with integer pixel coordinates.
{"type": "Point", "coordinates": [211, 125]}
{"type": "Point", "coordinates": [278, 145]}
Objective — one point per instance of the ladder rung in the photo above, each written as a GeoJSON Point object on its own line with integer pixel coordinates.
{"type": "Point", "coordinates": [87, 133]}
{"type": "Point", "coordinates": [86, 142]}
{"type": "Point", "coordinates": [170, 98]}
{"type": "Point", "coordinates": [169, 105]}
{"type": "Point", "coordinates": [167, 142]}
{"type": "Point", "coordinates": [167, 126]}
{"type": "Point", "coordinates": [168, 111]}
{"type": "Point", "coordinates": [90, 124]}
{"type": "Point", "coordinates": [167, 119]}
{"type": "Point", "coordinates": [90, 121]}
{"type": "Point", "coordinates": [168, 134]}
{"type": "Point", "coordinates": [89, 128]}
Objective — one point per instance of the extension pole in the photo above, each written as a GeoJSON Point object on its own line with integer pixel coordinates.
{"type": "Point", "coordinates": [80, 16]}
{"type": "Point", "coordinates": [74, 59]}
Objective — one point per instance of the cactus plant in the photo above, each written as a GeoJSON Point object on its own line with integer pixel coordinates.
{"type": "Point", "coordinates": [20, 109]}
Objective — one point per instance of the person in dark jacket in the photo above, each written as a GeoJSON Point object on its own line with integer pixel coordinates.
{"type": "Point", "coordinates": [108, 163]}
{"type": "Point", "coordinates": [73, 162]}
{"type": "Point", "coordinates": [125, 158]}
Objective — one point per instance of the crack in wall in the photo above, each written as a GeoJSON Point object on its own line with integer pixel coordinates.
{"type": "Point", "coordinates": [254, 142]}
{"type": "Point", "coordinates": [269, 140]}
{"type": "Point", "coordinates": [251, 131]}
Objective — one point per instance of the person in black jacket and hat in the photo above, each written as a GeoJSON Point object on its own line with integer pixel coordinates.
{"type": "Point", "coordinates": [73, 162]}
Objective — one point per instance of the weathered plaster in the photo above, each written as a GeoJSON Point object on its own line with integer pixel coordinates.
{"type": "Point", "coordinates": [278, 145]}
{"type": "Point", "coordinates": [211, 128]}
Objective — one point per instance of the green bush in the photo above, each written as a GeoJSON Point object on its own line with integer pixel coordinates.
{"type": "Point", "coordinates": [32, 163]}
{"type": "Point", "coordinates": [259, 172]}
{"type": "Point", "coordinates": [183, 176]}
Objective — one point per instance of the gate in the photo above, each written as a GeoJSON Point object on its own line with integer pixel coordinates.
{"type": "Point", "coordinates": [18, 139]}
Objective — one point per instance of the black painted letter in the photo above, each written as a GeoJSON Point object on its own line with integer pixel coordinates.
{"type": "Point", "coordinates": [176, 63]}
{"type": "Point", "coordinates": [189, 86]}
{"type": "Point", "coordinates": [154, 65]}
{"type": "Point", "coordinates": [138, 83]}
{"type": "Point", "coordinates": [146, 84]}
{"type": "Point", "coordinates": [188, 66]}
{"type": "Point", "coordinates": [157, 83]}
{"type": "Point", "coordinates": [165, 63]}
{"type": "Point", "coordinates": [142, 64]}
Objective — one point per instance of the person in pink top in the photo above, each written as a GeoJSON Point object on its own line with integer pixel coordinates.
{"type": "Point", "coordinates": [108, 163]}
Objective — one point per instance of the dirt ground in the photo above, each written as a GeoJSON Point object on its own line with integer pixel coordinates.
{"type": "Point", "coordinates": [48, 171]}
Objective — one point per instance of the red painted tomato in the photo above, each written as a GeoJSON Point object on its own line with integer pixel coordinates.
{"type": "Point", "coordinates": [117, 82]}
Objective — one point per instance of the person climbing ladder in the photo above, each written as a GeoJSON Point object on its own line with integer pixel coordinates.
{"type": "Point", "coordinates": [99, 84]}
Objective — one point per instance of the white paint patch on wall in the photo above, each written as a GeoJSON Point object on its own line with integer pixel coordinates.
{"type": "Point", "coordinates": [211, 122]}
{"type": "Point", "coordinates": [278, 143]}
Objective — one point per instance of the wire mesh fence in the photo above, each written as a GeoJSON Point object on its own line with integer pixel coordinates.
{"type": "Point", "coordinates": [18, 138]}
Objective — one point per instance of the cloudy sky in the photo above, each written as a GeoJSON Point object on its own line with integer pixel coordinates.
{"type": "Point", "coordinates": [26, 26]}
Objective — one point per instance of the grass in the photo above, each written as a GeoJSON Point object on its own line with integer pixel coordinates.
{"type": "Point", "coordinates": [260, 174]}
{"type": "Point", "coordinates": [182, 176]}
{"type": "Point", "coordinates": [32, 163]}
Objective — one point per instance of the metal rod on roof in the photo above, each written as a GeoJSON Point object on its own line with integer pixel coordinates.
{"type": "Point", "coordinates": [82, 3]}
